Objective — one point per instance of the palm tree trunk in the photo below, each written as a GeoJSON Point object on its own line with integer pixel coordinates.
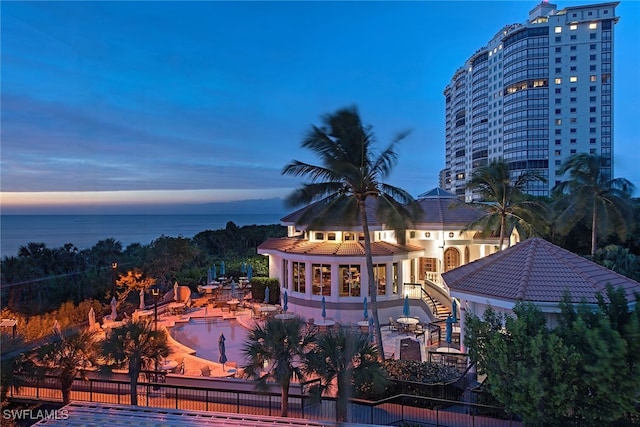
{"type": "Point", "coordinates": [373, 290]}
{"type": "Point", "coordinates": [594, 234]}
{"type": "Point", "coordinates": [284, 405]}
{"type": "Point", "coordinates": [133, 376]}
{"type": "Point", "coordinates": [503, 225]}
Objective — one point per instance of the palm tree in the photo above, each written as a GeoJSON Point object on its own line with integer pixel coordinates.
{"type": "Point", "coordinates": [15, 372]}
{"type": "Point", "coordinates": [136, 346]}
{"type": "Point", "coordinates": [349, 176]}
{"type": "Point", "coordinates": [65, 357]}
{"type": "Point", "coordinates": [275, 353]}
{"type": "Point", "coordinates": [503, 201]}
{"type": "Point", "coordinates": [589, 193]}
{"type": "Point", "coordinates": [346, 360]}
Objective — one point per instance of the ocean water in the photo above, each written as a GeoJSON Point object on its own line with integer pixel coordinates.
{"type": "Point", "coordinates": [84, 231]}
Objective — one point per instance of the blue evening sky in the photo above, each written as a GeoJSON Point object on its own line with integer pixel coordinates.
{"type": "Point", "coordinates": [183, 102]}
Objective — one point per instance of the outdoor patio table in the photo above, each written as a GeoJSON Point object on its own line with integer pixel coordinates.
{"type": "Point", "coordinates": [233, 304]}
{"type": "Point", "coordinates": [267, 308]}
{"type": "Point", "coordinates": [325, 322]}
{"type": "Point", "coordinates": [364, 326]}
{"type": "Point", "coordinates": [407, 321]}
{"type": "Point", "coordinates": [284, 316]}
{"type": "Point", "coordinates": [209, 288]}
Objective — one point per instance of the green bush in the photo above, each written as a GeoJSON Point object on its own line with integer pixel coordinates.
{"type": "Point", "coordinates": [258, 286]}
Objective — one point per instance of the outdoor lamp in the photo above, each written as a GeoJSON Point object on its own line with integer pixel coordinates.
{"type": "Point", "coordinates": [114, 268]}
{"type": "Point", "coordinates": [155, 291]}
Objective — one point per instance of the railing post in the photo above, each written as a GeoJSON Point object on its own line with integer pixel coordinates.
{"type": "Point", "coordinates": [118, 393]}
{"type": "Point", "coordinates": [91, 391]}
{"type": "Point", "coordinates": [237, 402]}
{"type": "Point", "coordinates": [206, 399]}
{"type": "Point", "coordinates": [177, 398]}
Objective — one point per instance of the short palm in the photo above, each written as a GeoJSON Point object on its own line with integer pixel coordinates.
{"type": "Point", "coordinates": [349, 175]}
{"type": "Point", "coordinates": [135, 346]}
{"type": "Point", "coordinates": [588, 193]}
{"type": "Point", "coordinates": [503, 201]}
{"type": "Point", "coordinates": [347, 361]}
{"type": "Point", "coordinates": [65, 356]}
{"type": "Point", "coordinates": [274, 354]}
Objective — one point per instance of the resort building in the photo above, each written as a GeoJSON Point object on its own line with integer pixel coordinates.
{"type": "Point", "coordinates": [329, 263]}
{"type": "Point", "coordinates": [535, 271]}
{"type": "Point", "coordinates": [535, 94]}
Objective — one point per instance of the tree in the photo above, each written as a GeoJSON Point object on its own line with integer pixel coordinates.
{"type": "Point", "coordinates": [65, 357]}
{"type": "Point", "coordinates": [529, 369]}
{"type": "Point", "coordinates": [136, 346]}
{"type": "Point", "coordinates": [345, 360]}
{"type": "Point", "coordinates": [275, 353]}
{"type": "Point", "coordinates": [349, 176]}
{"type": "Point", "coordinates": [503, 200]}
{"type": "Point", "coordinates": [105, 252]}
{"type": "Point", "coordinates": [134, 281]}
{"type": "Point", "coordinates": [12, 373]}
{"type": "Point", "coordinates": [590, 193]}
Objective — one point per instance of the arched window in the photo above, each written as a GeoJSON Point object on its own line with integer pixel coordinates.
{"type": "Point", "coordinates": [466, 255]}
{"type": "Point", "coordinates": [451, 259]}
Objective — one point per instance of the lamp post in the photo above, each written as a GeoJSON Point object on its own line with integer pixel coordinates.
{"type": "Point", "coordinates": [114, 268]}
{"type": "Point", "coordinates": [155, 291]}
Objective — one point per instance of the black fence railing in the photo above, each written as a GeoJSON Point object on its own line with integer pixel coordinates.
{"type": "Point", "coordinates": [402, 408]}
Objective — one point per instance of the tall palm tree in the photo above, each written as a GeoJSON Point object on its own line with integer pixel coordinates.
{"type": "Point", "coordinates": [275, 352]}
{"type": "Point", "coordinates": [345, 360]}
{"type": "Point", "coordinates": [589, 193]}
{"type": "Point", "coordinates": [66, 355]}
{"type": "Point", "coordinates": [350, 174]}
{"type": "Point", "coordinates": [135, 345]}
{"type": "Point", "coordinates": [503, 201]}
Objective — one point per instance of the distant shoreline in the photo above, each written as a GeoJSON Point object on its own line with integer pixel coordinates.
{"type": "Point", "coordinates": [84, 231]}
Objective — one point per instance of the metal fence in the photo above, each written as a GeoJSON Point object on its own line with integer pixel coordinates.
{"type": "Point", "coordinates": [395, 410]}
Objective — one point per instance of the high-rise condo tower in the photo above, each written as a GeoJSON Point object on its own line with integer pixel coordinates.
{"type": "Point", "coordinates": [537, 93]}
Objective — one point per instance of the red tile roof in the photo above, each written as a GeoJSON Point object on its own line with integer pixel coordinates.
{"type": "Point", "coordinates": [350, 248]}
{"type": "Point", "coordinates": [537, 271]}
{"type": "Point", "coordinates": [437, 209]}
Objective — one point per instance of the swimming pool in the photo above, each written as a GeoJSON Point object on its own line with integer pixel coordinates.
{"type": "Point", "coordinates": [202, 336]}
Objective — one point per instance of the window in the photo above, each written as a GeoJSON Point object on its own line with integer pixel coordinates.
{"type": "Point", "coordinates": [558, 60]}
{"type": "Point", "coordinates": [593, 78]}
{"type": "Point", "coordinates": [558, 90]}
{"type": "Point", "coordinates": [319, 236]}
{"type": "Point", "coordinates": [558, 80]}
{"type": "Point", "coordinates": [606, 78]}
{"type": "Point", "coordinates": [593, 26]}
{"type": "Point", "coordinates": [558, 122]}
{"type": "Point", "coordinates": [331, 236]}
{"type": "Point", "coordinates": [572, 110]}
{"type": "Point", "coordinates": [573, 48]}
{"type": "Point", "coordinates": [394, 278]}
{"type": "Point", "coordinates": [573, 58]}
{"type": "Point", "coordinates": [349, 280]}
{"type": "Point", "coordinates": [573, 27]}
{"type": "Point", "coordinates": [592, 88]}
{"type": "Point", "coordinates": [592, 140]}
{"type": "Point", "coordinates": [558, 131]}
{"type": "Point", "coordinates": [558, 39]}
{"type": "Point", "coordinates": [592, 151]}
{"type": "Point", "coordinates": [573, 130]}
{"type": "Point", "coordinates": [592, 99]}
{"type": "Point", "coordinates": [592, 57]}
{"type": "Point", "coordinates": [558, 70]}
{"type": "Point", "coordinates": [592, 36]}
{"type": "Point", "coordinates": [427, 234]}
{"type": "Point", "coordinates": [299, 277]}
{"type": "Point", "coordinates": [592, 109]}
{"type": "Point", "coordinates": [573, 120]}
{"type": "Point", "coordinates": [573, 140]}
{"type": "Point", "coordinates": [557, 31]}
{"type": "Point", "coordinates": [573, 151]}
{"type": "Point", "coordinates": [558, 162]}
{"type": "Point", "coordinates": [349, 236]}
{"type": "Point", "coordinates": [558, 152]}
{"type": "Point", "coordinates": [573, 99]}
{"type": "Point", "coordinates": [558, 110]}
{"type": "Point", "coordinates": [574, 68]}
{"type": "Point", "coordinates": [592, 46]}
{"type": "Point", "coordinates": [573, 37]}
{"type": "Point", "coordinates": [558, 100]}
{"type": "Point", "coordinates": [558, 50]}
{"type": "Point", "coordinates": [592, 67]}
{"type": "Point", "coordinates": [380, 276]}
{"type": "Point", "coordinates": [321, 276]}
{"type": "Point", "coordinates": [592, 130]}
{"type": "Point", "coordinates": [592, 119]}
{"type": "Point", "coordinates": [558, 142]}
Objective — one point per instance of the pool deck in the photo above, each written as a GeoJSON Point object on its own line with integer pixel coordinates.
{"type": "Point", "coordinates": [392, 341]}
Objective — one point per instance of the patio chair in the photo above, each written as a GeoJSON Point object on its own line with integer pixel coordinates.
{"type": "Point", "coordinates": [393, 325]}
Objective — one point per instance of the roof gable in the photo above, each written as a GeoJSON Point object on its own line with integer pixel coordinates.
{"type": "Point", "coordinates": [537, 271]}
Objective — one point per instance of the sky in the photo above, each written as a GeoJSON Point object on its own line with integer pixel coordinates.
{"type": "Point", "coordinates": [145, 103]}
